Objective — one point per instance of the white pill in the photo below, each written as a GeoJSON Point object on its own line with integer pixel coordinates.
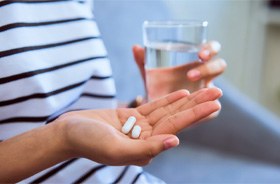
{"type": "Point", "coordinates": [128, 124]}
{"type": "Point", "coordinates": [136, 131]}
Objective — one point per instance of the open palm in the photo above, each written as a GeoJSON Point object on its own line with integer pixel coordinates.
{"type": "Point", "coordinates": [160, 120]}
{"type": "Point", "coordinates": [167, 115]}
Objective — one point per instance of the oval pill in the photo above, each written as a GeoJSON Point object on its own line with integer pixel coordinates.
{"type": "Point", "coordinates": [128, 124]}
{"type": "Point", "coordinates": [136, 131]}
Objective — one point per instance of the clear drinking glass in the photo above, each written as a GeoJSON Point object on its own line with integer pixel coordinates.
{"type": "Point", "coordinates": [171, 49]}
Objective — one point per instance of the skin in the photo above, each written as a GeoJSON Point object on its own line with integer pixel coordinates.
{"type": "Point", "coordinates": [195, 76]}
{"type": "Point", "coordinates": [207, 70]}
{"type": "Point", "coordinates": [96, 134]}
{"type": "Point", "coordinates": [72, 135]}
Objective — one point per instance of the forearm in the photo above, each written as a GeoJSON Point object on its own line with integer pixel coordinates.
{"type": "Point", "coordinates": [26, 154]}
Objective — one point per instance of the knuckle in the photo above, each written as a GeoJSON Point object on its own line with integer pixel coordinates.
{"type": "Point", "coordinates": [166, 111]}
{"type": "Point", "coordinates": [169, 110]}
{"type": "Point", "coordinates": [198, 100]}
{"type": "Point", "coordinates": [216, 66]}
{"type": "Point", "coordinates": [196, 112]}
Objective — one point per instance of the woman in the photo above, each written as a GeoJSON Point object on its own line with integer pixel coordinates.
{"type": "Point", "coordinates": [53, 61]}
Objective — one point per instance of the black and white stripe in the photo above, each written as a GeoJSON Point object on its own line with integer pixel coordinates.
{"type": "Point", "coordinates": [8, 2]}
{"type": "Point", "coordinates": [33, 61]}
{"type": "Point", "coordinates": [35, 24]}
{"type": "Point", "coordinates": [19, 50]}
{"type": "Point", "coordinates": [88, 174]}
{"type": "Point", "coordinates": [53, 60]}
{"type": "Point", "coordinates": [50, 69]}
{"type": "Point", "coordinates": [41, 10]}
{"type": "Point", "coordinates": [52, 172]}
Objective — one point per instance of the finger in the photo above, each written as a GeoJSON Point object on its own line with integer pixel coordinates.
{"type": "Point", "coordinates": [214, 114]}
{"type": "Point", "coordinates": [184, 119]}
{"type": "Point", "coordinates": [207, 70]}
{"type": "Point", "coordinates": [138, 150]}
{"type": "Point", "coordinates": [139, 54]}
{"type": "Point", "coordinates": [209, 94]}
{"type": "Point", "coordinates": [200, 96]}
{"type": "Point", "coordinates": [178, 104]}
{"type": "Point", "coordinates": [163, 101]}
{"type": "Point", "coordinates": [139, 57]}
{"type": "Point", "coordinates": [161, 113]}
{"type": "Point", "coordinates": [209, 50]}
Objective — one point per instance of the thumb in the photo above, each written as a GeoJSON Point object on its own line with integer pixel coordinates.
{"type": "Point", "coordinates": [167, 140]}
{"type": "Point", "coordinates": [139, 57]}
{"type": "Point", "coordinates": [151, 147]}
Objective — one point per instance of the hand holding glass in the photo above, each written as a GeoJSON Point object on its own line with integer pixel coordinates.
{"type": "Point", "coordinates": [171, 49]}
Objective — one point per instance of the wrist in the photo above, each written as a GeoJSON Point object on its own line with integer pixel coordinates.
{"type": "Point", "coordinates": [61, 127]}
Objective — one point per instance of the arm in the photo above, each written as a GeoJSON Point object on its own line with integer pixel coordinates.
{"type": "Point", "coordinates": [26, 154]}
{"type": "Point", "coordinates": [74, 134]}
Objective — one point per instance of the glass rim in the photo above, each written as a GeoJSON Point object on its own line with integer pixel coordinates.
{"type": "Point", "coordinates": [175, 23]}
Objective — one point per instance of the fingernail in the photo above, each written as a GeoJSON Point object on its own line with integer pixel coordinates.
{"type": "Point", "coordinates": [170, 142]}
{"type": "Point", "coordinates": [218, 65]}
{"type": "Point", "coordinates": [216, 46]}
{"type": "Point", "coordinates": [205, 53]}
{"type": "Point", "coordinates": [221, 91]}
{"type": "Point", "coordinates": [194, 74]}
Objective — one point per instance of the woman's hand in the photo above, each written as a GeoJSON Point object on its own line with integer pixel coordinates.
{"type": "Point", "coordinates": [211, 67]}
{"type": "Point", "coordinates": [96, 134]}
{"type": "Point", "coordinates": [207, 70]}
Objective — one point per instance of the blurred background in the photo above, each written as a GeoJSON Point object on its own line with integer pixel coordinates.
{"type": "Point", "coordinates": [242, 145]}
{"type": "Point", "coordinates": [249, 31]}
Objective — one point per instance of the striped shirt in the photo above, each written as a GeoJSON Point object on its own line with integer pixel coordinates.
{"type": "Point", "coordinates": [53, 60]}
